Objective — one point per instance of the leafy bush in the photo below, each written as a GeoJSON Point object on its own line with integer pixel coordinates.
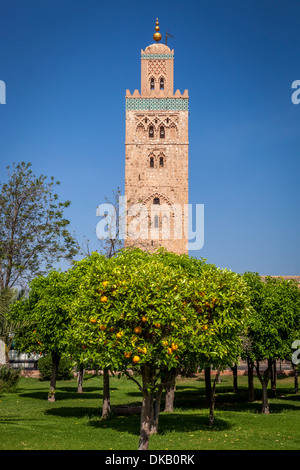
{"type": "Point", "coordinates": [8, 378]}
{"type": "Point", "coordinates": [64, 369]}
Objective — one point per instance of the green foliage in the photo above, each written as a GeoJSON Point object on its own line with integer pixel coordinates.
{"type": "Point", "coordinates": [33, 230]}
{"type": "Point", "coordinates": [275, 322]}
{"type": "Point", "coordinates": [8, 378]}
{"type": "Point", "coordinates": [162, 310]}
{"type": "Point", "coordinates": [64, 368]}
{"type": "Point", "coordinates": [46, 313]}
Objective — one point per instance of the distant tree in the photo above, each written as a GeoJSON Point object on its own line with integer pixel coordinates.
{"type": "Point", "coordinates": [33, 230]}
{"type": "Point", "coordinates": [47, 316]}
{"type": "Point", "coordinates": [273, 326]}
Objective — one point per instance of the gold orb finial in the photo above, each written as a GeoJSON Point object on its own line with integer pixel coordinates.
{"type": "Point", "coordinates": [157, 35]}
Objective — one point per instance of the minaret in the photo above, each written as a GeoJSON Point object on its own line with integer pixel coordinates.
{"type": "Point", "coordinates": [156, 153]}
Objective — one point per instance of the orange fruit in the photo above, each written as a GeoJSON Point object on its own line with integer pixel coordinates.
{"type": "Point", "coordinates": [127, 355]}
{"type": "Point", "coordinates": [169, 351]}
{"type": "Point", "coordinates": [103, 298]}
{"type": "Point", "coordinates": [120, 334]}
{"type": "Point", "coordinates": [204, 327]}
{"type": "Point", "coordinates": [93, 320]}
{"type": "Point", "coordinates": [144, 319]}
{"type": "Point", "coordinates": [102, 327]}
{"type": "Point", "coordinates": [157, 325]}
{"type": "Point", "coordinates": [105, 283]}
{"type": "Point", "coordinates": [135, 359]}
{"type": "Point", "coordinates": [142, 350]}
{"type": "Point", "coordinates": [174, 346]}
{"type": "Point", "coordinates": [138, 330]}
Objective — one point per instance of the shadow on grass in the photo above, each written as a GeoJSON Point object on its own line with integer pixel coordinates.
{"type": "Point", "coordinates": [168, 422]}
{"type": "Point", "coordinates": [67, 393]}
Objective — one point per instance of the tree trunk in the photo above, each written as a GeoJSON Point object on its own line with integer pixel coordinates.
{"type": "Point", "coordinates": [106, 394]}
{"type": "Point", "coordinates": [235, 378]}
{"type": "Point", "coordinates": [170, 390]}
{"type": "Point", "coordinates": [296, 386]}
{"type": "Point", "coordinates": [265, 401]}
{"type": "Point", "coordinates": [273, 378]}
{"type": "Point", "coordinates": [213, 398]}
{"type": "Point", "coordinates": [155, 411]}
{"type": "Point", "coordinates": [80, 379]}
{"type": "Point", "coordinates": [264, 380]}
{"type": "Point", "coordinates": [146, 409]}
{"type": "Point", "coordinates": [250, 380]}
{"type": "Point", "coordinates": [207, 374]}
{"type": "Point", "coordinates": [55, 364]}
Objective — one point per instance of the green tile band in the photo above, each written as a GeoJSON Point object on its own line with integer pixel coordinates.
{"type": "Point", "coordinates": [159, 104]}
{"type": "Point", "coordinates": [157, 56]}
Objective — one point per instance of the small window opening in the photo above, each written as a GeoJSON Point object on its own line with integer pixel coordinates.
{"type": "Point", "coordinates": [151, 162]}
{"type": "Point", "coordinates": [161, 161]}
{"type": "Point", "coordinates": [152, 84]}
{"type": "Point", "coordinates": [156, 200]}
{"type": "Point", "coordinates": [151, 131]}
{"type": "Point", "coordinates": [162, 132]}
{"type": "Point", "coordinates": [162, 84]}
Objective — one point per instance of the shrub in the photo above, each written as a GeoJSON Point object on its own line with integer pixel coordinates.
{"type": "Point", "coordinates": [64, 369]}
{"type": "Point", "coordinates": [8, 378]}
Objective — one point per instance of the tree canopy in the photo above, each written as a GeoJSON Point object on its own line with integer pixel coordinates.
{"type": "Point", "coordinates": [33, 230]}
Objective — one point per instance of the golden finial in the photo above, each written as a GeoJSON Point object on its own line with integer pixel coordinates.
{"type": "Point", "coordinates": [157, 35]}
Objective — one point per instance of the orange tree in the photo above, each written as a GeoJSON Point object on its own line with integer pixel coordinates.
{"type": "Point", "coordinates": [153, 313]}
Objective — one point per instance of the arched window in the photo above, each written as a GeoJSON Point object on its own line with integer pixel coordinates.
{"type": "Point", "coordinates": [152, 84]}
{"type": "Point", "coordinates": [161, 161]}
{"type": "Point", "coordinates": [151, 162]}
{"type": "Point", "coordinates": [162, 132]}
{"type": "Point", "coordinates": [151, 131]}
{"type": "Point", "coordinates": [156, 200]}
{"type": "Point", "coordinates": [156, 221]}
{"type": "Point", "coordinates": [161, 84]}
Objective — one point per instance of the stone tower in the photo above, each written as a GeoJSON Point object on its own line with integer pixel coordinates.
{"type": "Point", "coordinates": [156, 153]}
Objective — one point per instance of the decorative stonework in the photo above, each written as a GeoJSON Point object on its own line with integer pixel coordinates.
{"type": "Point", "coordinates": [162, 104]}
{"type": "Point", "coordinates": [156, 147]}
{"type": "Point", "coordinates": [157, 67]}
{"type": "Point", "coordinates": [157, 56]}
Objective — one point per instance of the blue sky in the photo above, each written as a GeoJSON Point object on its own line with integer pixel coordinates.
{"type": "Point", "coordinates": [68, 63]}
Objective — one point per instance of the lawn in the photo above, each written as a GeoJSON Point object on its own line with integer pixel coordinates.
{"type": "Point", "coordinates": [73, 422]}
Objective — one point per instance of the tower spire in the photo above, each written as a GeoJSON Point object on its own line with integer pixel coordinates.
{"type": "Point", "coordinates": [157, 35]}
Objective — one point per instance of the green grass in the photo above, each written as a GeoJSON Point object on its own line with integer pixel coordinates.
{"type": "Point", "coordinates": [73, 422]}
